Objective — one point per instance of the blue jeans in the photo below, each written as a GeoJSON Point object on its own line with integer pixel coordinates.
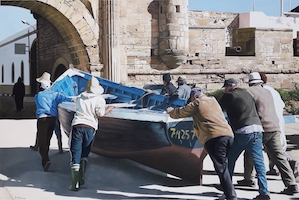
{"type": "Point", "coordinates": [252, 143]}
{"type": "Point", "coordinates": [80, 143]}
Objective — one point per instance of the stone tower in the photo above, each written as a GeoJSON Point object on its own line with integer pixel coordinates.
{"type": "Point", "coordinates": [173, 32]}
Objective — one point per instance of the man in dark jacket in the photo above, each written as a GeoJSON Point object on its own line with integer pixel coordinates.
{"type": "Point", "coordinates": [168, 89]}
{"type": "Point", "coordinates": [247, 127]}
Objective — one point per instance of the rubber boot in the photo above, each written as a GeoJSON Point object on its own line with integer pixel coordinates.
{"type": "Point", "coordinates": [60, 145]}
{"type": "Point", "coordinates": [75, 179]}
{"type": "Point", "coordinates": [83, 165]}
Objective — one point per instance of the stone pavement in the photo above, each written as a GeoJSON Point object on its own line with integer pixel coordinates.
{"type": "Point", "coordinates": [22, 177]}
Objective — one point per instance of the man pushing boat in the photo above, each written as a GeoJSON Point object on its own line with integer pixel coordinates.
{"type": "Point", "coordinates": [90, 105]}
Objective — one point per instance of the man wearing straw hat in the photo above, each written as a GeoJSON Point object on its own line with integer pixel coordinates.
{"type": "Point", "coordinates": [46, 113]}
{"type": "Point", "coordinates": [90, 105]}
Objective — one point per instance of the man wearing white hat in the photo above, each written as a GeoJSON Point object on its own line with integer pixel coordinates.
{"type": "Point", "coordinates": [90, 105]}
{"type": "Point", "coordinates": [271, 137]}
{"type": "Point", "coordinates": [46, 113]}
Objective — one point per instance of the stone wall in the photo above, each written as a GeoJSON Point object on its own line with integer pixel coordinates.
{"type": "Point", "coordinates": [51, 46]}
{"type": "Point", "coordinates": [145, 27]}
{"type": "Point", "coordinates": [207, 64]}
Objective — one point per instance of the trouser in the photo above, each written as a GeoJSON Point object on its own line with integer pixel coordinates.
{"type": "Point", "coordinates": [57, 131]}
{"type": "Point", "coordinates": [45, 127]}
{"type": "Point", "coordinates": [218, 149]}
{"type": "Point", "coordinates": [271, 141]}
{"type": "Point", "coordinates": [19, 103]}
{"type": "Point", "coordinates": [81, 139]}
{"type": "Point", "coordinates": [252, 143]}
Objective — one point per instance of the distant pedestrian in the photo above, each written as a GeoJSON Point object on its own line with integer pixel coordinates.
{"type": "Point", "coordinates": [183, 90]}
{"type": "Point", "coordinates": [212, 131]}
{"type": "Point", "coordinates": [46, 113]}
{"type": "Point", "coordinates": [247, 127]}
{"type": "Point", "coordinates": [168, 89]}
{"type": "Point", "coordinates": [19, 93]}
{"type": "Point", "coordinates": [90, 105]}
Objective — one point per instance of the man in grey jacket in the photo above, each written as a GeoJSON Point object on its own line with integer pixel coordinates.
{"type": "Point", "coordinates": [183, 90]}
{"type": "Point", "coordinates": [271, 136]}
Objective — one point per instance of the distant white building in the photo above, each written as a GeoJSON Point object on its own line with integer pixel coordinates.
{"type": "Point", "coordinates": [16, 58]}
{"type": "Point", "coordinates": [260, 20]}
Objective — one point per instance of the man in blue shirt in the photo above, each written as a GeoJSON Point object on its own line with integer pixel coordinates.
{"type": "Point", "coordinates": [46, 113]}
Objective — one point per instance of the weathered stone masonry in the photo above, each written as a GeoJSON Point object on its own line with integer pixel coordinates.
{"type": "Point", "coordinates": [207, 65]}
{"type": "Point", "coordinates": [135, 41]}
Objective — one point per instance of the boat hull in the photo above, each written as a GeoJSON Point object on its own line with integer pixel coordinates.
{"type": "Point", "coordinates": [170, 147]}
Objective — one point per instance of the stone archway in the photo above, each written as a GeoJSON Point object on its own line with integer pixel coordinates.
{"type": "Point", "coordinates": [75, 24]}
{"type": "Point", "coordinates": [60, 66]}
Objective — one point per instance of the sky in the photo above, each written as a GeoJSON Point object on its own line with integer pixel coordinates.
{"type": "Point", "coordinates": [11, 16]}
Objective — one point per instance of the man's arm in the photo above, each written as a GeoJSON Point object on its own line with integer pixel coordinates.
{"type": "Point", "coordinates": [108, 109]}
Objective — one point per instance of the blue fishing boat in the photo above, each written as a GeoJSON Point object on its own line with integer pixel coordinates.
{"type": "Point", "coordinates": [142, 131]}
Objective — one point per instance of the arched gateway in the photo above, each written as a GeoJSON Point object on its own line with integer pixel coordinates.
{"type": "Point", "coordinates": [76, 26]}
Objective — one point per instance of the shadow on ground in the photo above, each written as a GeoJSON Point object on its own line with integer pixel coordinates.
{"type": "Point", "coordinates": [106, 178]}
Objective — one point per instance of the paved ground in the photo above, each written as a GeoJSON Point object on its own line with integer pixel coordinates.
{"type": "Point", "coordinates": [22, 177]}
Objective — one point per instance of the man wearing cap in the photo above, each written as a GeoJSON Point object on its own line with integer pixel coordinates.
{"type": "Point", "coordinates": [212, 130]}
{"type": "Point", "coordinates": [46, 113]}
{"type": "Point", "coordinates": [183, 90]}
{"type": "Point", "coordinates": [247, 127]}
{"type": "Point", "coordinates": [90, 105]}
{"type": "Point", "coordinates": [168, 89]}
{"type": "Point", "coordinates": [271, 137]}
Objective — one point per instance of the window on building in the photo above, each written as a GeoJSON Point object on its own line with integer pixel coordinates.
{"type": "Point", "coordinates": [2, 74]}
{"type": "Point", "coordinates": [20, 48]}
{"type": "Point", "coordinates": [177, 8]}
{"type": "Point", "coordinates": [296, 45]}
{"type": "Point", "coordinates": [13, 73]}
{"type": "Point", "coordinates": [22, 69]}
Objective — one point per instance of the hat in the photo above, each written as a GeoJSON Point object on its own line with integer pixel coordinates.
{"type": "Point", "coordinates": [93, 86]}
{"type": "Point", "coordinates": [44, 78]}
{"type": "Point", "coordinates": [255, 77]}
{"type": "Point", "coordinates": [230, 82]}
{"type": "Point", "coordinates": [166, 77]}
{"type": "Point", "coordinates": [196, 92]}
{"type": "Point", "coordinates": [181, 78]}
